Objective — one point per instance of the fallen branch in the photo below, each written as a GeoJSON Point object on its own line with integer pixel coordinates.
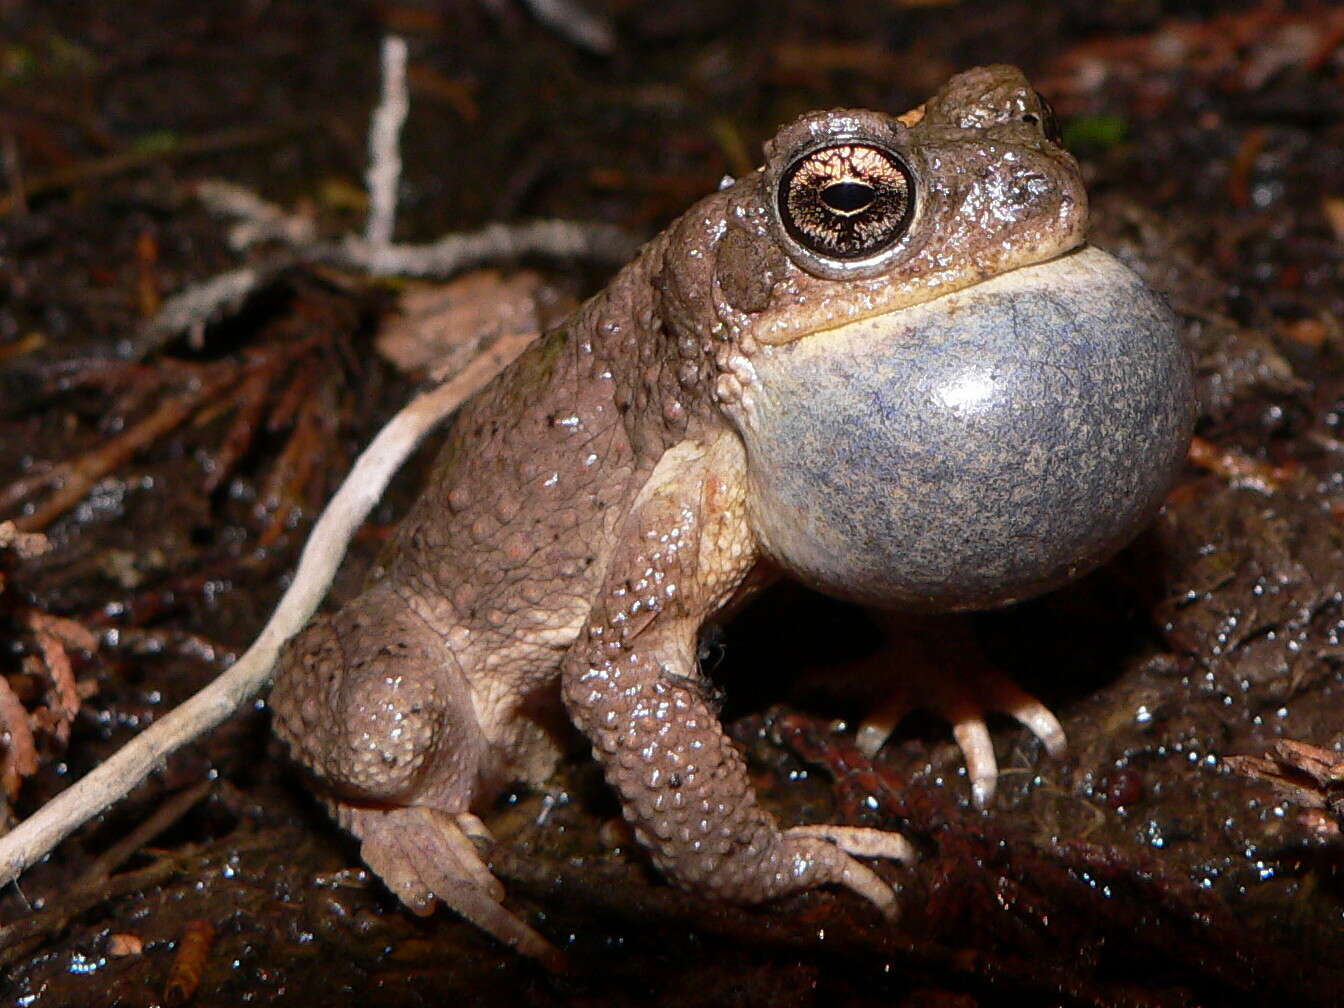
{"type": "Point", "coordinates": [560, 239]}
{"type": "Point", "coordinates": [35, 837]}
{"type": "Point", "coordinates": [195, 307]}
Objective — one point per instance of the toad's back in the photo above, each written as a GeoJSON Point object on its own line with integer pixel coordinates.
{"type": "Point", "coordinates": [508, 543]}
{"type": "Point", "coordinates": [468, 613]}
{"type": "Point", "coordinates": [503, 548]}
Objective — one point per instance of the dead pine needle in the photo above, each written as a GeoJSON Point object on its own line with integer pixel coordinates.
{"type": "Point", "coordinates": [72, 481]}
{"type": "Point", "coordinates": [193, 949]}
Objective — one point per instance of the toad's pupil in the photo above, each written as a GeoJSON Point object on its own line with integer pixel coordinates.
{"type": "Point", "coordinates": [848, 197]}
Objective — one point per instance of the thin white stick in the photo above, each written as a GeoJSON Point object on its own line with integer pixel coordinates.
{"type": "Point", "coordinates": [255, 220]}
{"type": "Point", "coordinates": [453, 253]}
{"type": "Point", "coordinates": [576, 23]}
{"type": "Point", "coordinates": [384, 172]}
{"type": "Point", "coordinates": [190, 310]}
{"type": "Point", "coordinates": [33, 838]}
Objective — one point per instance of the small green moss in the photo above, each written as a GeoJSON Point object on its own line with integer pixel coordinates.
{"type": "Point", "coordinates": [159, 142]}
{"type": "Point", "coordinates": [18, 64]}
{"type": "Point", "coordinates": [51, 57]}
{"type": "Point", "coordinates": [1099, 132]}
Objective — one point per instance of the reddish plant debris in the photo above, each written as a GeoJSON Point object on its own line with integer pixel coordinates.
{"type": "Point", "coordinates": [1302, 773]}
{"type": "Point", "coordinates": [282, 381]}
{"type": "Point", "coordinates": [193, 950]}
{"type": "Point", "coordinates": [1239, 51]}
{"type": "Point", "coordinates": [20, 727]}
{"type": "Point", "coordinates": [40, 700]}
{"type": "Point", "coordinates": [1236, 467]}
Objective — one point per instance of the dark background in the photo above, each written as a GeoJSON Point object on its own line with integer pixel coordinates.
{"type": "Point", "coordinates": [1140, 871]}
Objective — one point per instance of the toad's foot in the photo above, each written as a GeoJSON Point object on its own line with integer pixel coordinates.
{"type": "Point", "coordinates": [945, 673]}
{"type": "Point", "coordinates": [423, 854]}
{"type": "Point", "coordinates": [861, 841]}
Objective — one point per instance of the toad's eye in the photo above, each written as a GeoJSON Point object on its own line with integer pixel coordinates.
{"type": "Point", "coordinates": [1049, 122]}
{"type": "Point", "coordinates": [847, 202]}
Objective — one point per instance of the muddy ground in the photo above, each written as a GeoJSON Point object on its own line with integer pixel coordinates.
{"type": "Point", "coordinates": [1141, 870]}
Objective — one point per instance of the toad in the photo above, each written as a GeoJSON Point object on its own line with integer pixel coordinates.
{"type": "Point", "coordinates": [884, 363]}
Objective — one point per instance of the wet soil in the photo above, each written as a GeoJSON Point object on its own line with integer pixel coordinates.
{"type": "Point", "coordinates": [1140, 870]}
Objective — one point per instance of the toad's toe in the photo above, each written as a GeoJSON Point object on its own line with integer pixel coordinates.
{"type": "Point", "coordinates": [836, 846]}
{"type": "Point", "coordinates": [947, 675]}
{"type": "Point", "coordinates": [423, 855]}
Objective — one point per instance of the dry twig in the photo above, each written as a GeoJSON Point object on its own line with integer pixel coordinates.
{"type": "Point", "coordinates": [559, 239]}
{"type": "Point", "coordinates": [258, 220]}
{"type": "Point", "coordinates": [576, 23]}
{"type": "Point", "coordinates": [384, 174]}
{"type": "Point", "coordinates": [192, 309]}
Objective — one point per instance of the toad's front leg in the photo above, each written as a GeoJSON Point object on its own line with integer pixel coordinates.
{"type": "Point", "coordinates": [632, 686]}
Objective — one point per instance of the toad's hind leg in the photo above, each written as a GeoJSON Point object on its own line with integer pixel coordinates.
{"type": "Point", "coordinates": [373, 702]}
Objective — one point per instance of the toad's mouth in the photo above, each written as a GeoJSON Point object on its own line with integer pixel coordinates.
{"type": "Point", "coordinates": [1049, 270]}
